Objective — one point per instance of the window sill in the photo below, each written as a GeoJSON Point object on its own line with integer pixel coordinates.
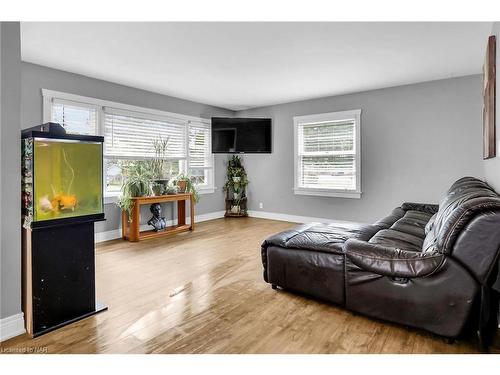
{"type": "Point", "coordinates": [113, 198]}
{"type": "Point", "coordinates": [328, 193]}
{"type": "Point", "coordinates": [207, 190]}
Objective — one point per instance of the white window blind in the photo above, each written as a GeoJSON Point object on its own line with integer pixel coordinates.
{"type": "Point", "coordinates": [327, 155]}
{"type": "Point", "coordinates": [130, 136]}
{"type": "Point", "coordinates": [76, 118]}
{"type": "Point", "coordinates": [200, 159]}
{"type": "Point", "coordinates": [327, 159]}
{"type": "Point", "coordinates": [200, 153]}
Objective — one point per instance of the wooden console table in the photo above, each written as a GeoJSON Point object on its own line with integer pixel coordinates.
{"type": "Point", "coordinates": [131, 230]}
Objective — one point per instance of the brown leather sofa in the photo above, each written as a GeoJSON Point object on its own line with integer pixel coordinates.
{"type": "Point", "coordinates": [426, 266]}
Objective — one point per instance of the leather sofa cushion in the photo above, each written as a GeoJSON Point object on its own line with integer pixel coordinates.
{"type": "Point", "coordinates": [465, 199]}
{"type": "Point", "coordinates": [418, 215]}
{"type": "Point", "coordinates": [406, 221]}
{"type": "Point", "coordinates": [407, 226]}
{"type": "Point", "coordinates": [397, 240]}
{"type": "Point", "coordinates": [389, 220]}
{"type": "Point", "coordinates": [413, 223]}
{"type": "Point", "coordinates": [321, 237]}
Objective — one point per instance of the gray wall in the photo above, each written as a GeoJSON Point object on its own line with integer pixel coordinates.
{"type": "Point", "coordinates": [36, 77]}
{"type": "Point", "coordinates": [416, 140]}
{"type": "Point", "coordinates": [492, 166]}
{"type": "Point", "coordinates": [10, 125]}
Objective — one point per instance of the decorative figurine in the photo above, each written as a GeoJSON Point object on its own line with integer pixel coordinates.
{"type": "Point", "coordinates": [157, 221]}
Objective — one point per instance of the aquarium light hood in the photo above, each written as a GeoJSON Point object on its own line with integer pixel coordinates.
{"type": "Point", "coordinates": [53, 130]}
{"type": "Point", "coordinates": [62, 140]}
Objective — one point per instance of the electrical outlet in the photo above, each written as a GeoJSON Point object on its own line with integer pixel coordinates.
{"type": "Point", "coordinates": [261, 205]}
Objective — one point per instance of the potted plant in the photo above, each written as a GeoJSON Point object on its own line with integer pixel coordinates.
{"type": "Point", "coordinates": [235, 185]}
{"type": "Point", "coordinates": [137, 183]}
{"type": "Point", "coordinates": [171, 189]}
{"type": "Point", "coordinates": [159, 165]}
{"type": "Point", "coordinates": [181, 184]}
{"type": "Point", "coordinates": [158, 188]}
{"type": "Point", "coordinates": [236, 174]}
{"type": "Point", "coordinates": [186, 185]}
{"type": "Point", "coordinates": [145, 177]}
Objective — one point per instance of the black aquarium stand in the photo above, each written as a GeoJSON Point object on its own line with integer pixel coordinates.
{"type": "Point", "coordinates": [59, 276]}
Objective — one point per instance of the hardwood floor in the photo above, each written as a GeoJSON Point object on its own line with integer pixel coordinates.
{"type": "Point", "coordinates": [203, 292]}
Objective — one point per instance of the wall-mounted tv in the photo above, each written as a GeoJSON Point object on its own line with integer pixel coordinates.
{"type": "Point", "coordinates": [241, 135]}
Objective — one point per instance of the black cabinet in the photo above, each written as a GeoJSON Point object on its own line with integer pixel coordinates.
{"type": "Point", "coordinates": [59, 270]}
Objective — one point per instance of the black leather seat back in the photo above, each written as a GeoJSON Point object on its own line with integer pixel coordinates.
{"type": "Point", "coordinates": [467, 226]}
{"type": "Point", "coordinates": [477, 246]}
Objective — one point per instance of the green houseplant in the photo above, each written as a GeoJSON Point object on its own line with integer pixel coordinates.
{"type": "Point", "coordinates": [236, 183]}
{"type": "Point", "coordinates": [159, 166]}
{"type": "Point", "coordinates": [236, 174]}
{"type": "Point", "coordinates": [144, 177]}
{"type": "Point", "coordinates": [138, 183]}
{"type": "Point", "coordinates": [186, 185]}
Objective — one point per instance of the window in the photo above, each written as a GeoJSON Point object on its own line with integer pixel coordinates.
{"type": "Point", "coordinates": [200, 153]}
{"type": "Point", "coordinates": [129, 133]}
{"type": "Point", "coordinates": [76, 118]}
{"type": "Point", "coordinates": [328, 154]}
{"type": "Point", "coordinates": [129, 136]}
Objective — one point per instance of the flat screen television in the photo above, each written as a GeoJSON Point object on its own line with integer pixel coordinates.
{"type": "Point", "coordinates": [241, 135]}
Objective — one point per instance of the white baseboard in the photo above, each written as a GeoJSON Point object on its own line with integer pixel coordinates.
{"type": "Point", "coordinates": [117, 233]}
{"type": "Point", "coordinates": [292, 218]}
{"type": "Point", "coordinates": [11, 326]}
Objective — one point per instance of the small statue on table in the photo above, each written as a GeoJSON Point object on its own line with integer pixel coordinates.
{"type": "Point", "coordinates": [157, 221]}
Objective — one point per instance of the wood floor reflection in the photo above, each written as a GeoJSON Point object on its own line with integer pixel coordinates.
{"type": "Point", "coordinates": [203, 292]}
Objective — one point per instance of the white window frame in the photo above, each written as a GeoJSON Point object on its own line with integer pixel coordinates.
{"type": "Point", "coordinates": [325, 117]}
{"type": "Point", "coordinates": [209, 186]}
{"type": "Point", "coordinates": [50, 95]}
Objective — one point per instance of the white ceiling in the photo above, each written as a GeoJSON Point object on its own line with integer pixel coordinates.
{"type": "Point", "coordinates": [244, 65]}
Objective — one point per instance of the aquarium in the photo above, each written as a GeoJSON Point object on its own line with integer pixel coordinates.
{"type": "Point", "coordinates": [62, 178]}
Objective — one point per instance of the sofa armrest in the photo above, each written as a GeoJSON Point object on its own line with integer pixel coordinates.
{"type": "Point", "coordinates": [388, 261]}
{"type": "Point", "coordinates": [424, 207]}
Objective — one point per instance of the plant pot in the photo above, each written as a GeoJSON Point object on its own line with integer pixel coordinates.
{"type": "Point", "coordinates": [162, 181]}
{"type": "Point", "coordinates": [182, 186]}
{"type": "Point", "coordinates": [236, 179]}
{"type": "Point", "coordinates": [235, 209]}
{"type": "Point", "coordinates": [158, 189]}
{"type": "Point", "coordinates": [171, 190]}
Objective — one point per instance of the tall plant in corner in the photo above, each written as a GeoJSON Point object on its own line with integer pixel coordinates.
{"type": "Point", "coordinates": [236, 183]}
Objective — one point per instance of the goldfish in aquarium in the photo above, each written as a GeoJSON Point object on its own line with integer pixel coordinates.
{"type": "Point", "coordinates": [64, 202]}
